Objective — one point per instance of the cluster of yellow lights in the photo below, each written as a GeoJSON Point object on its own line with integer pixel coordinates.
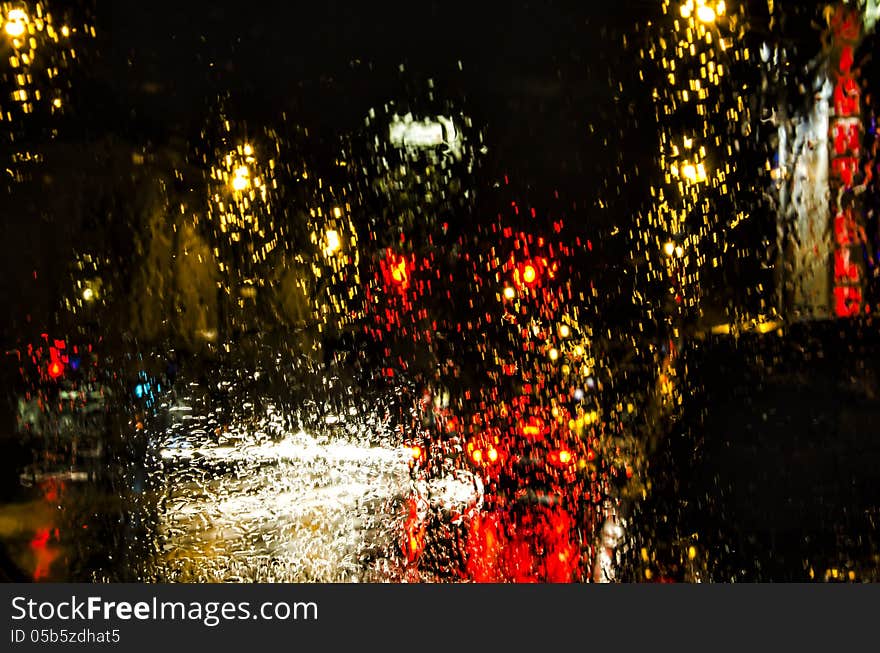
{"type": "Point", "coordinates": [690, 172]}
{"type": "Point", "coordinates": [572, 347]}
{"type": "Point", "coordinates": [336, 267]}
{"type": "Point", "coordinates": [671, 249]}
{"type": "Point", "coordinates": [694, 48]}
{"type": "Point", "coordinates": [241, 192]}
{"type": "Point", "coordinates": [243, 210]}
{"type": "Point", "coordinates": [29, 36]}
{"type": "Point", "coordinates": [704, 12]}
{"type": "Point", "coordinates": [333, 232]}
{"type": "Point", "coordinates": [88, 286]}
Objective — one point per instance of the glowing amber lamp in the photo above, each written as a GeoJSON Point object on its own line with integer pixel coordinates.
{"type": "Point", "coordinates": [16, 23]}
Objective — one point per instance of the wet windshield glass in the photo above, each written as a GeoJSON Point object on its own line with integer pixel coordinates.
{"type": "Point", "coordinates": [439, 292]}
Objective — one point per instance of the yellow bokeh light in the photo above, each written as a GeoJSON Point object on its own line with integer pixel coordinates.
{"type": "Point", "coordinates": [669, 248]}
{"type": "Point", "coordinates": [16, 22]}
{"type": "Point", "coordinates": [333, 241]}
{"type": "Point", "coordinates": [706, 14]}
{"type": "Point", "coordinates": [564, 331]}
{"type": "Point", "coordinates": [241, 179]}
{"type": "Point", "coordinates": [509, 293]}
{"type": "Point", "coordinates": [15, 29]}
{"type": "Point", "coordinates": [554, 353]}
{"type": "Point", "coordinates": [694, 173]}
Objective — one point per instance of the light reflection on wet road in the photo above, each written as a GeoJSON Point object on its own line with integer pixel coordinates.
{"type": "Point", "coordinates": [269, 505]}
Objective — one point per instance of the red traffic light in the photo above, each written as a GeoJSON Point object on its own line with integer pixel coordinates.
{"type": "Point", "coordinates": [56, 369]}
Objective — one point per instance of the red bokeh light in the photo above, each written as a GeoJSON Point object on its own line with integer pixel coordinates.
{"type": "Point", "coordinates": [56, 369]}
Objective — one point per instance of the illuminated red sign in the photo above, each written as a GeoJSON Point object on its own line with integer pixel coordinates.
{"type": "Point", "coordinates": [845, 136]}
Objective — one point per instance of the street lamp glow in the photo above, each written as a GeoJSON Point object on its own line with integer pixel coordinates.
{"type": "Point", "coordinates": [706, 14]}
{"type": "Point", "coordinates": [333, 241]}
{"type": "Point", "coordinates": [16, 22]}
{"type": "Point", "coordinates": [509, 293]}
{"type": "Point", "coordinates": [88, 294]}
{"type": "Point", "coordinates": [693, 173]}
{"type": "Point", "coordinates": [564, 331]}
{"type": "Point", "coordinates": [669, 248]}
{"type": "Point", "coordinates": [241, 179]}
{"type": "Point", "coordinates": [679, 251]}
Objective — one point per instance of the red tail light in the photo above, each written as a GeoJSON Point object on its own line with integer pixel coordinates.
{"type": "Point", "coordinates": [396, 270]}
{"type": "Point", "coordinates": [414, 533]}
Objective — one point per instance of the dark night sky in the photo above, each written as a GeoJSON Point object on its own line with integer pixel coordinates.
{"type": "Point", "coordinates": [535, 73]}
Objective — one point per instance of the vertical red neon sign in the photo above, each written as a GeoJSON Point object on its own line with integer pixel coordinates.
{"type": "Point", "coordinates": [845, 139]}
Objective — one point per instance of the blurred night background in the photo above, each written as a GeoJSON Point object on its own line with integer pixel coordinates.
{"type": "Point", "coordinates": [383, 292]}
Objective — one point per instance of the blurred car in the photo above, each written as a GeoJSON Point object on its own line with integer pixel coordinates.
{"type": "Point", "coordinates": [62, 405]}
